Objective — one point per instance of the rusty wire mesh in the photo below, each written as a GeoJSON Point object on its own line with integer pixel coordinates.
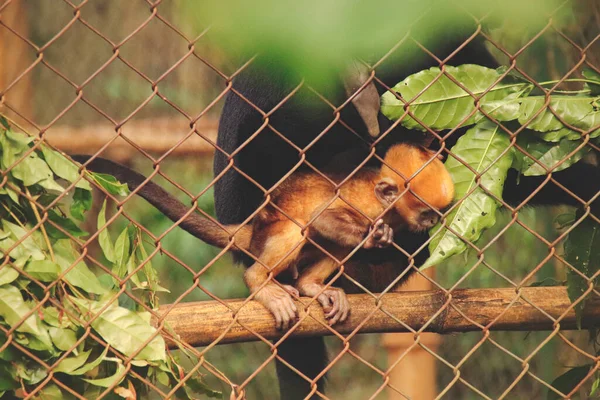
{"type": "Point", "coordinates": [78, 68]}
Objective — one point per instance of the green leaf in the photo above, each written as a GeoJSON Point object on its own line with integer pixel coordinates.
{"type": "Point", "coordinates": [51, 391]}
{"type": "Point", "coordinates": [163, 378]}
{"type": "Point", "coordinates": [80, 275]}
{"type": "Point", "coordinates": [567, 381]}
{"type": "Point", "coordinates": [580, 112]}
{"type": "Point", "coordinates": [548, 154]}
{"type": "Point", "coordinates": [82, 202]}
{"type": "Point", "coordinates": [8, 378]}
{"type": "Point", "coordinates": [595, 386]}
{"type": "Point", "coordinates": [54, 318]}
{"type": "Point", "coordinates": [70, 364]}
{"type": "Point", "coordinates": [14, 309]}
{"type": "Point", "coordinates": [582, 251]}
{"type": "Point", "coordinates": [130, 267]}
{"type": "Point", "coordinates": [122, 246]}
{"type": "Point", "coordinates": [4, 122]}
{"type": "Point", "coordinates": [7, 275]}
{"type": "Point", "coordinates": [558, 135]}
{"type": "Point", "coordinates": [14, 196]}
{"type": "Point", "coordinates": [31, 373]}
{"type": "Point", "coordinates": [125, 330]}
{"type": "Point", "coordinates": [32, 169]}
{"type": "Point", "coordinates": [110, 381]}
{"type": "Point", "coordinates": [13, 146]}
{"type": "Point", "coordinates": [8, 353]}
{"type": "Point", "coordinates": [558, 154]}
{"type": "Point", "coordinates": [65, 223]}
{"type": "Point", "coordinates": [104, 238]}
{"type": "Point", "coordinates": [107, 281]}
{"type": "Point", "coordinates": [594, 86]}
{"type": "Point", "coordinates": [151, 274]}
{"type": "Point", "coordinates": [481, 148]}
{"type": "Point", "coordinates": [502, 110]}
{"type": "Point", "coordinates": [110, 184]}
{"type": "Point", "coordinates": [64, 168]}
{"type": "Point", "coordinates": [444, 104]}
{"type": "Point", "coordinates": [195, 386]}
{"type": "Point", "coordinates": [543, 122]}
{"type": "Point", "coordinates": [32, 246]}
{"type": "Point", "coordinates": [43, 270]}
{"type": "Point", "coordinates": [63, 339]}
{"type": "Point", "coordinates": [91, 365]}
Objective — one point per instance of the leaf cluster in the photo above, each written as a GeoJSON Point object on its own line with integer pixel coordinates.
{"type": "Point", "coordinates": [511, 125]}
{"type": "Point", "coordinates": [54, 306]}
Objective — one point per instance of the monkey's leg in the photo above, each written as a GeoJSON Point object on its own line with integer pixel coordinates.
{"type": "Point", "coordinates": [333, 300]}
{"type": "Point", "coordinates": [279, 252]}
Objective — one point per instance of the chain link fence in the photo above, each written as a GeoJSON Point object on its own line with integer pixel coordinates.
{"type": "Point", "coordinates": [138, 83]}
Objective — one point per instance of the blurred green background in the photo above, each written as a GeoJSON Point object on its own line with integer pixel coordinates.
{"type": "Point", "coordinates": [119, 89]}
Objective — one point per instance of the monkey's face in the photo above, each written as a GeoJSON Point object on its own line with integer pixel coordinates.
{"type": "Point", "coordinates": [428, 192]}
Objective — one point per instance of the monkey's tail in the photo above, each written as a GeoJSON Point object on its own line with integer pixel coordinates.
{"type": "Point", "coordinates": [199, 226]}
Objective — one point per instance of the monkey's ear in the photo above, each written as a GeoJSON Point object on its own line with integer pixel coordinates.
{"type": "Point", "coordinates": [386, 191]}
{"type": "Point", "coordinates": [367, 101]}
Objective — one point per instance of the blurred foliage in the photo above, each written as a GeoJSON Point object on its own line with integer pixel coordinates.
{"type": "Point", "coordinates": [311, 37]}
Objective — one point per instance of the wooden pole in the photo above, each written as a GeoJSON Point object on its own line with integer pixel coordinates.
{"type": "Point", "coordinates": [202, 323]}
{"type": "Point", "coordinates": [17, 56]}
{"type": "Point", "coordinates": [412, 370]}
{"type": "Point", "coordinates": [155, 136]}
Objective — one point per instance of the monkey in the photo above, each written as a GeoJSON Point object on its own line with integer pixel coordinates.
{"type": "Point", "coordinates": [269, 156]}
{"type": "Point", "coordinates": [309, 200]}
{"type": "Point", "coordinates": [344, 224]}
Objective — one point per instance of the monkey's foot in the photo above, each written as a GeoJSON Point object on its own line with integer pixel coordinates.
{"type": "Point", "coordinates": [333, 300]}
{"type": "Point", "coordinates": [280, 303]}
{"type": "Point", "coordinates": [381, 235]}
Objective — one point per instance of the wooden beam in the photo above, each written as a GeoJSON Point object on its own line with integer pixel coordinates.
{"type": "Point", "coordinates": [156, 136]}
{"type": "Point", "coordinates": [202, 323]}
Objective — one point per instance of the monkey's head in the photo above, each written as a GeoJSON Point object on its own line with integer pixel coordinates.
{"type": "Point", "coordinates": [428, 191]}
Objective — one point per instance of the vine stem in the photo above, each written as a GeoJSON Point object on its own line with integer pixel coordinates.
{"type": "Point", "coordinates": [569, 80]}
{"type": "Point", "coordinates": [12, 214]}
{"type": "Point", "coordinates": [42, 228]}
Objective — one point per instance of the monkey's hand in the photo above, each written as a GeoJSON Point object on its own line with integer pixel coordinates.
{"type": "Point", "coordinates": [380, 235]}
{"type": "Point", "coordinates": [333, 300]}
{"type": "Point", "coordinates": [280, 303]}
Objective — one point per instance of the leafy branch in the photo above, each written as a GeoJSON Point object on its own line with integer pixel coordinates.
{"type": "Point", "coordinates": [41, 254]}
{"type": "Point", "coordinates": [553, 133]}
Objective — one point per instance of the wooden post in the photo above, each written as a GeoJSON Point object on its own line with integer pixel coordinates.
{"type": "Point", "coordinates": [16, 56]}
{"type": "Point", "coordinates": [414, 372]}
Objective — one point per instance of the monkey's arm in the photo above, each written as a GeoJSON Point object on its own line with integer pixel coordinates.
{"type": "Point", "coordinates": [348, 229]}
